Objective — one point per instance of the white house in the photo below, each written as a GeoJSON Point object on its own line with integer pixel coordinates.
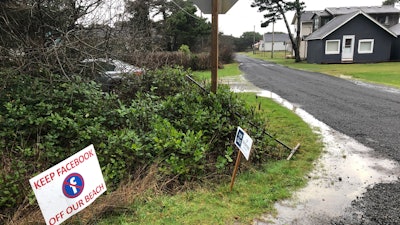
{"type": "Point", "coordinates": [275, 42]}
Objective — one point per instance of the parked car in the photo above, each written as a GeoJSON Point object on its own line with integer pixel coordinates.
{"type": "Point", "coordinates": [110, 72]}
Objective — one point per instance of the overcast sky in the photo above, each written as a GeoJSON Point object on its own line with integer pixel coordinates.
{"type": "Point", "coordinates": [242, 18]}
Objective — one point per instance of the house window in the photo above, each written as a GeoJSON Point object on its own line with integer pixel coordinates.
{"type": "Point", "coordinates": [316, 23]}
{"type": "Point", "coordinates": [324, 21]}
{"type": "Point", "coordinates": [366, 46]}
{"type": "Point", "coordinates": [387, 21]}
{"type": "Point", "coordinates": [332, 47]}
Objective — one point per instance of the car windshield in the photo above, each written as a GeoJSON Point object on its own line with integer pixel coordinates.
{"type": "Point", "coordinates": [104, 66]}
{"type": "Point", "coordinates": [112, 67]}
{"type": "Point", "coordinates": [123, 67]}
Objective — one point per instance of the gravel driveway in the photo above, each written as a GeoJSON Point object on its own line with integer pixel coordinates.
{"type": "Point", "coordinates": [364, 112]}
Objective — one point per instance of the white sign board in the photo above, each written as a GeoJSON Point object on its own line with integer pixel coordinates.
{"type": "Point", "coordinates": [206, 5]}
{"type": "Point", "coordinates": [244, 142]}
{"type": "Point", "coordinates": [69, 187]}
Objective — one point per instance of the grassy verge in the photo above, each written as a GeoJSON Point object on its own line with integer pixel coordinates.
{"type": "Point", "coordinates": [255, 190]}
{"type": "Point", "coordinates": [381, 73]}
{"type": "Point", "coordinates": [228, 70]}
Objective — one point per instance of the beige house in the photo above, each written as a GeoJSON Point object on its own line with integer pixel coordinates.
{"type": "Point", "coordinates": [306, 28]}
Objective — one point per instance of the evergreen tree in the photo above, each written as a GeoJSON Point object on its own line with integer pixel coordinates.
{"type": "Point", "coordinates": [183, 27]}
{"type": "Point", "coordinates": [390, 2]}
{"type": "Point", "coordinates": [276, 10]}
{"type": "Point", "coordinates": [247, 40]}
{"type": "Point", "coordinates": [140, 16]}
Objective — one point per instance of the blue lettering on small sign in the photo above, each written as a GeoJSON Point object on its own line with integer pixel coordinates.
{"type": "Point", "coordinates": [73, 185]}
{"type": "Point", "coordinates": [239, 138]}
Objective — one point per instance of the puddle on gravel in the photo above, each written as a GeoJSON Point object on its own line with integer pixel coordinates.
{"type": "Point", "coordinates": [342, 174]}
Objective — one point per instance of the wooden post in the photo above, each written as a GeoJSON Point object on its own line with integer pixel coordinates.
{"type": "Point", "coordinates": [293, 151]}
{"type": "Point", "coordinates": [273, 40]}
{"type": "Point", "coordinates": [236, 168]}
{"type": "Point", "coordinates": [214, 47]}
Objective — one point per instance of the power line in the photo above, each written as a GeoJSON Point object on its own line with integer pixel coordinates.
{"type": "Point", "coordinates": [186, 12]}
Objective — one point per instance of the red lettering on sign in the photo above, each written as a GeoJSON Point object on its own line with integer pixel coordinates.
{"type": "Point", "coordinates": [58, 217]}
{"type": "Point", "coordinates": [75, 162]}
{"type": "Point", "coordinates": [94, 192]}
{"type": "Point", "coordinates": [75, 206]}
{"type": "Point", "coordinates": [44, 180]}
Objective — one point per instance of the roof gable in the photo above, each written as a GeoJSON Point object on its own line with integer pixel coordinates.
{"type": "Point", "coordinates": [338, 22]}
{"type": "Point", "coordinates": [306, 16]}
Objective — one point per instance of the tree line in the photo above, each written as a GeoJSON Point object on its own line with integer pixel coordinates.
{"type": "Point", "coordinates": [56, 34]}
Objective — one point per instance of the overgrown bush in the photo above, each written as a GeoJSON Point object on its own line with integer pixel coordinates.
{"type": "Point", "coordinates": [194, 61]}
{"type": "Point", "coordinates": [226, 54]}
{"type": "Point", "coordinates": [43, 121]}
{"type": "Point", "coordinates": [160, 119]}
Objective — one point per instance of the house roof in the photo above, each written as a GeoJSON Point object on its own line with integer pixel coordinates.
{"type": "Point", "coordinates": [396, 29]}
{"type": "Point", "coordinates": [338, 22]}
{"type": "Point", "coordinates": [278, 37]}
{"type": "Point", "coordinates": [321, 13]}
{"type": "Point", "coordinates": [306, 16]}
{"type": "Point", "coordinates": [367, 9]}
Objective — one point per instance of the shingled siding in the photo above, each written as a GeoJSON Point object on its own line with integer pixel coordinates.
{"type": "Point", "coordinates": [316, 53]}
{"type": "Point", "coordinates": [362, 28]}
{"type": "Point", "coordinates": [395, 56]}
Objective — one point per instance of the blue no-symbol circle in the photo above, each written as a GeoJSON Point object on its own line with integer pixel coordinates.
{"type": "Point", "coordinates": [73, 185]}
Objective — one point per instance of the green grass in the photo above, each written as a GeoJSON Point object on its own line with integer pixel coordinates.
{"type": "Point", "coordinates": [255, 190]}
{"type": "Point", "coordinates": [228, 70]}
{"type": "Point", "coordinates": [381, 73]}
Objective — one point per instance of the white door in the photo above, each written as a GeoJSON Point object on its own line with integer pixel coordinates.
{"type": "Point", "coordinates": [348, 48]}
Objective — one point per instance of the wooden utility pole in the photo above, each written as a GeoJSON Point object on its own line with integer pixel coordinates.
{"type": "Point", "coordinates": [254, 40]}
{"type": "Point", "coordinates": [214, 7]}
{"type": "Point", "coordinates": [273, 40]}
{"type": "Point", "coordinates": [214, 47]}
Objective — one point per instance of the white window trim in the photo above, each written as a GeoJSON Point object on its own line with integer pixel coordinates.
{"type": "Point", "coordinates": [365, 52]}
{"type": "Point", "coordinates": [332, 52]}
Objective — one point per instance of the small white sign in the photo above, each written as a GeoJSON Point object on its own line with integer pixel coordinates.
{"type": "Point", "coordinates": [244, 142]}
{"type": "Point", "coordinates": [69, 187]}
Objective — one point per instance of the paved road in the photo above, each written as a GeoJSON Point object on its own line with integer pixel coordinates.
{"type": "Point", "coordinates": [366, 112]}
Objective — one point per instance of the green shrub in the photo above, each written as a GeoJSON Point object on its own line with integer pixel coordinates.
{"type": "Point", "coordinates": [160, 119]}
{"type": "Point", "coordinates": [185, 49]}
{"type": "Point", "coordinates": [45, 120]}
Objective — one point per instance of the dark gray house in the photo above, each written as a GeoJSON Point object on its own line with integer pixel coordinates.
{"type": "Point", "coordinates": [352, 37]}
{"type": "Point", "coordinates": [395, 56]}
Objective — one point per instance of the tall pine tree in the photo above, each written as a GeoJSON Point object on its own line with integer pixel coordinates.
{"type": "Point", "coordinates": [275, 10]}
